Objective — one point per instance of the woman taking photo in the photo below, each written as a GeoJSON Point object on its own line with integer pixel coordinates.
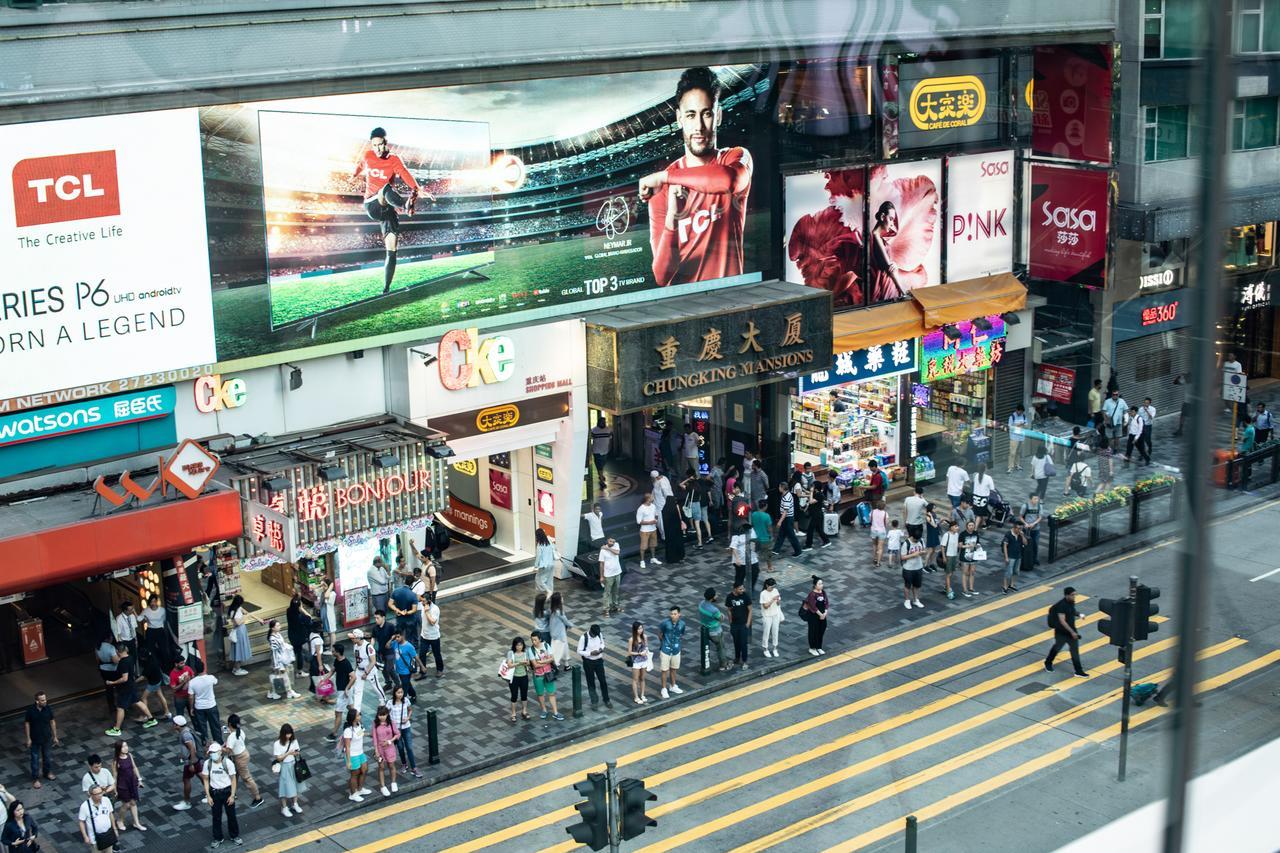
{"type": "Point", "coordinates": [638, 655]}
{"type": "Point", "coordinates": [401, 716]}
{"type": "Point", "coordinates": [385, 735]}
{"type": "Point", "coordinates": [128, 781]}
{"type": "Point", "coordinates": [544, 676]}
{"type": "Point", "coordinates": [283, 658]}
{"type": "Point", "coordinates": [544, 562]}
{"type": "Point", "coordinates": [21, 835]}
{"type": "Point", "coordinates": [771, 608]}
{"type": "Point", "coordinates": [815, 610]}
{"type": "Point", "coordinates": [970, 550]}
{"type": "Point", "coordinates": [284, 756]}
{"type": "Point", "coordinates": [558, 625]}
{"type": "Point", "coordinates": [238, 629]}
{"type": "Point", "coordinates": [353, 753]}
{"type": "Point", "coordinates": [518, 663]}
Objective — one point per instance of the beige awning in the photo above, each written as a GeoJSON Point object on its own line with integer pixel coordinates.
{"type": "Point", "coordinates": [883, 324]}
{"type": "Point", "coordinates": [965, 300]}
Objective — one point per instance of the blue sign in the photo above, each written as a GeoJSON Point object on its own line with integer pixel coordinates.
{"type": "Point", "coordinates": [871, 363]}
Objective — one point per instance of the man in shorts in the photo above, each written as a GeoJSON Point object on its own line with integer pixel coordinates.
{"type": "Point", "coordinates": [670, 631]}
{"type": "Point", "coordinates": [762, 524]}
{"type": "Point", "coordinates": [343, 688]}
{"type": "Point", "coordinates": [950, 544]}
{"type": "Point", "coordinates": [647, 517]}
{"type": "Point", "coordinates": [912, 571]}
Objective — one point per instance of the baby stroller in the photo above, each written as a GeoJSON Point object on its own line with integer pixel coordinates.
{"type": "Point", "coordinates": [998, 510]}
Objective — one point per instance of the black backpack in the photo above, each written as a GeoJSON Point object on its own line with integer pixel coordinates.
{"type": "Point", "coordinates": [442, 538]}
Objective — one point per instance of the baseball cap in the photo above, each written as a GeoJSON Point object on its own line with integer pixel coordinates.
{"type": "Point", "coordinates": [215, 748]}
{"type": "Point", "coordinates": [179, 720]}
{"type": "Point", "coordinates": [357, 634]}
{"type": "Point", "coordinates": [654, 473]}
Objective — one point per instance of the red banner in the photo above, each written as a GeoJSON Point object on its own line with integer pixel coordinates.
{"type": "Point", "coordinates": [1055, 383]}
{"type": "Point", "coordinates": [1071, 102]}
{"type": "Point", "coordinates": [500, 488]}
{"type": "Point", "coordinates": [1069, 209]}
{"type": "Point", "coordinates": [32, 631]}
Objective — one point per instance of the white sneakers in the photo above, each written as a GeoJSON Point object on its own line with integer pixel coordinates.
{"type": "Point", "coordinates": [293, 695]}
{"type": "Point", "coordinates": [675, 688]}
{"type": "Point", "coordinates": [643, 565]}
{"type": "Point", "coordinates": [394, 787]}
{"type": "Point", "coordinates": [286, 812]}
{"type": "Point", "coordinates": [906, 604]}
{"type": "Point", "coordinates": [364, 792]}
{"type": "Point", "coordinates": [239, 671]}
{"type": "Point", "coordinates": [181, 806]}
{"type": "Point", "coordinates": [813, 652]}
{"type": "Point", "coordinates": [655, 561]}
{"type": "Point", "coordinates": [297, 809]}
{"type": "Point", "coordinates": [273, 695]}
{"type": "Point", "coordinates": [385, 791]}
{"type": "Point", "coordinates": [909, 605]}
{"type": "Point", "coordinates": [664, 694]}
{"type": "Point", "coordinates": [355, 798]}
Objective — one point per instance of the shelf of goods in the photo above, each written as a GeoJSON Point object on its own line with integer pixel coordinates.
{"type": "Point", "coordinates": [846, 440]}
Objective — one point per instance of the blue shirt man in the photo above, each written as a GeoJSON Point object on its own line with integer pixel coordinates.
{"type": "Point", "coordinates": [406, 661]}
{"type": "Point", "coordinates": [670, 631]}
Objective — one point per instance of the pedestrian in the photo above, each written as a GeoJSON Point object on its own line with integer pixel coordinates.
{"type": "Point", "coordinates": [344, 688]}
{"type": "Point", "coordinates": [814, 611]}
{"type": "Point", "coordinates": [379, 650]}
{"type": "Point", "coordinates": [879, 532]}
{"type": "Point", "coordinates": [956, 478]}
{"type": "Point", "coordinates": [431, 634]}
{"type": "Point", "coordinates": [738, 545]}
{"type": "Point", "coordinates": [541, 619]}
{"type": "Point", "coordinates": [661, 492]}
{"type": "Point", "coordinates": [913, 512]}
{"type": "Point", "coordinates": [982, 486]}
{"type": "Point", "coordinates": [379, 580]}
{"type": "Point", "coordinates": [127, 692]}
{"type": "Point", "coordinates": [205, 719]}
{"type": "Point", "coordinates": [559, 625]}
{"type": "Point", "coordinates": [591, 651]}
{"type": "Point", "coordinates": [100, 777]}
{"type": "Point", "coordinates": [1062, 619]}
{"type": "Point", "coordinates": [771, 616]}
{"type": "Point", "coordinates": [155, 632]}
{"type": "Point", "coordinates": [179, 682]}
{"type": "Point", "coordinates": [971, 553]}
{"type": "Point", "coordinates": [21, 833]}
{"type": "Point", "coordinates": [638, 656]}
{"type": "Point", "coordinates": [710, 616]}
{"type": "Point", "coordinates": [188, 757]}
{"type": "Point", "coordinates": [1095, 406]}
{"type": "Point", "coordinates": [950, 545]}
{"type": "Point", "coordinates": [285, 753]}
{"type": "Point", "coordinates": [128, 781]}
{"type": "Point", "coordinates": [328, 611]}
{"type": "Point", "coordinates": [1080, 477]}
{"type": "Point", "coordinates": [42, 735]}
{"type": "Point", "coordinates": [1105, 462]}
{"type": "Point", "coordinates": [518, 665]}
{"type": "Point", "coordinates": [671, 519]}
{"type": "Point", "coordinates": [876, 484]}
{"type": "Point", "coordinates": [154, 675]}
{"type": "Point", "coordinates": [1041, 466]}
{"type": "Point", "coordinates": [1249, 439]}
{"type": "Point", "coordinates": [716, 496]}
{"type": "Point", "coordinates": [817, 518]}
{"type": "Point", "coordinates": [1017, 424]}
{"type": "Point", "coordinates": [669, 444]}
{"type": "Point", "coordinates": [647, 518]}
{"type": "Point", "coordinates": [235, 747]}
{"type": "Point", "coordinates": [406, 663]}
{"type": "Point", "coordinates": [127, 627]}
{"type": "Point", "coordinates": [280, 683]}
{"type": "Point", "coordinates": [893, 543]}
{"type": "Point", "coordinates": [1147, 414]}
{"type": "Point", "coordinates": [1133, 429]}
{"type": "Point", "coordinates": [912, 556]}
{"type": "Point", "coordinates": [219, 779]}
{"type": "Point", "coordinates": [97, 824]}
{"type": "Point", "coordinates": [401, 710]}
{"type": "Point", "coordinates": [690, 446]}
{"type": "Point", "coordinates": [670, 635]}
{"type": "Point", "coordinates": [315, 666]}
{"type": "Point", "coordinates": [1015, 541]}
{"type": "Point", "coordinates": [786, 526]}
{"type": "Point", "coordinates": [762, 526]}
{"type": "Point", "coordinates": [964, 513]}
{"type": "Point", "coordinates": [385, 736]}
{"type": "Point", "coordinates": [106, 654]}
{"type": "Point", "coordinates": [1262, 424]}
{"type": "Point", "coordinates": [759, 482]}
{"type": "Point", "coordinates": [696, 510]}
{"type": "Point", "coordinates": [610, 564]}
{"type": "Point", "coordinates": [601, 439]}
{"type": "Point", "coordinates": [544, 676]}
{"type": "Point", "coordinates": [740, 615]}
{"type": "Point", "coordinates": [406, 605]}
{"type": "Point", "coordinates": [237, 626]}
{"type": "Point", "coordinates": [544, 562]}
{"type": "Point", "coordinates": [1114, 410]}
{"type": "Point", "coordinates": [932, 537]}
{"type": "Point", "coordinates": [1031, 515]}
{"type": "Point", "coordinates": [353, 755]}
{"type": "Point", "coordinates": [595, 525]}
{"type": "Point", "coordinates": [298, 626]}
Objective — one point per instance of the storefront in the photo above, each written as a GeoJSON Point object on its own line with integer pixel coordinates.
{"type": "Point", "coordinates": [1253, 328]}
{"type": "Point", "coordinates": [1150, 349]}
{"type": "Point", "coordinates": [513, 405]}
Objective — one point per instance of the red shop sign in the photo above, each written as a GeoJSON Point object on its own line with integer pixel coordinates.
{"type": "Point", "coordinates": [1055, 383]}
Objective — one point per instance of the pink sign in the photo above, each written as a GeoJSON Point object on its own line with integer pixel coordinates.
{"type": "Point", "coordinates": [500, 488]}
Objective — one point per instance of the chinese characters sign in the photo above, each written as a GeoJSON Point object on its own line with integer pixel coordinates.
{"type": "Point", "coordinates": [870, 363]}
{"type": "Point", "coordinates": [1055, 383]}
{"type": "Point", "coordinates": [946, 102]}
{"type": "Point", "coordinates": [271, 529]}
{"type": "Point", "coordinates": [1165, 312]}
{"type": "Point", "coordinates": [973, 350]}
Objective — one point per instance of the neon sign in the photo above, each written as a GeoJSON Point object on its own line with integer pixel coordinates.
{"type": "Point", "coordinates": [1157, 314]}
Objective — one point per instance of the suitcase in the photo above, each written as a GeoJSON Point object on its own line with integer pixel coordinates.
{"type": "Point", "coordinates": [831, 523]}
{"type": "Point", "coordinates": [589, 565]}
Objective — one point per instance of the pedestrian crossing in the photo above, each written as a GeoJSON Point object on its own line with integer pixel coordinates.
{"type": "Point", "coordinates": [824, 751]}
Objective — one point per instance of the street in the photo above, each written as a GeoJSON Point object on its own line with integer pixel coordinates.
{"type": "Point", "coordinates": [953, 720]}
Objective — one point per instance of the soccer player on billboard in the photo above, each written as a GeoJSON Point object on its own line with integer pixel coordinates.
{"type": "Point", "coordinates": [381, 201]}
{"type": "Point", "coordinates": [698, 204]}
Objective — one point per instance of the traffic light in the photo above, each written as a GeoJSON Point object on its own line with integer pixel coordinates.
{"type": "Point", "coordinates": [1142, 626]}
{"type": "Point", "coordinates": [632, 796]}
{"type": "Point", "coordinates": [1115, 629]}
{"type": "Point", "coordinates": [593, 831]}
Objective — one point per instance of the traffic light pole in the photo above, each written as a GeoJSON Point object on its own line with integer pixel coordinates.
{"type": "Point", "coordinates": [610, 769]}
{"type": "Point", "coordinates": [1128, 673]}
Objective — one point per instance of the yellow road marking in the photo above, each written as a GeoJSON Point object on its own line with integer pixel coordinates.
{"type": "Point", "coordinates": [973, 792]}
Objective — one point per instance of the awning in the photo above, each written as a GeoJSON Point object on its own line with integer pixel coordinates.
{"type": "Point", "coordinates": [975, 297]}
{"type": "Point", "coordinates": [883, 324]}
{"type": "Point", "coordinates": [43, 556]}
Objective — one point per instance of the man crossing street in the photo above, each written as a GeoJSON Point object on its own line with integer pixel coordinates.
{"type": "Point", "coordinates": [1062, 619]}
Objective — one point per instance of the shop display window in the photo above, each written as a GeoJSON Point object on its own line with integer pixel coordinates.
{"type": "Point", "coordinates": [847, 426]}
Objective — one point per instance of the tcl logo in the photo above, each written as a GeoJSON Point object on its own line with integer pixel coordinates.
{"type": "Point", "coordinates": [989, 169]}
{"type": "Point", "coordinates": [65, 187]}
{"type": "Point", "coordinates": [1072, 218]}
{"type": "Point", "coordinates": [699, 222]}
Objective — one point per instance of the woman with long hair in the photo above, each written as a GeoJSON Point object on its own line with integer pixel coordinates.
{"type": "Point", "coordinates": [815, 609]}
{"type": "Point", "coordinates": [541, 619]}
{"type": "Point", "coordinates": [638, 655]}
{"type": "Point", "coordinates": [238, 629]}
{"type": "Point", "coordinates": [280, 681]}
{"type": "Point", "coordinates": [299, 624]}
{"type": "Point", "coordinates": [385, 735]}
{"type": "Point", "coordinates": [328, 611]}
{"type": "Point", "coordinates": [21, 835]}
{"type": "Point", "coordinates": [353, 753]}
{"type": "Point", "coordinates": [235, 747]}
{"type": "Point", "coordinates": [128, 781]}
{"type": "Point", "coordinates": [401, 717]}
{"type": "Point", "coordinates": [284, 754]}
{"type": "Point", "coordinates": [518, 661]}
{"type": "Point", "coordinates": [544, 562]}
{"type": "Point", "coordinates": [559, 624]}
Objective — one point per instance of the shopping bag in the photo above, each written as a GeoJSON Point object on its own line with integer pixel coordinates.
{"type": "Point", "coordinates": [301, 772]}
{"type": "Point", "coordinates": [506, 670]}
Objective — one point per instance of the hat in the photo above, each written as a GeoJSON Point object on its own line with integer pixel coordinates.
{"type": "Point", "coordinates": [179, 720]}
{"type": "Point", "coordinates": [357, 634]}
{"type": "Point", "coordinates": [215, 748]}
{"type": "Point", "coordinates": [654, 474]}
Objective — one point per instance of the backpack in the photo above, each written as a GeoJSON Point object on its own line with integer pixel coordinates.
{"type": "Point", "coordinates": [442, 539]}
{"type": "Point", "coordinates": [1077, 482]}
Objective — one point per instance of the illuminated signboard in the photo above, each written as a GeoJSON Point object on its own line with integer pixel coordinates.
{"type": "Point", "coordinates": [871, 363]}
{"type": "Point", "coordinates": [973, 350]}
{"type": "Point", "coordinates": [947, 102]}
{"type": "Point", "coordinates": [1156, 314]}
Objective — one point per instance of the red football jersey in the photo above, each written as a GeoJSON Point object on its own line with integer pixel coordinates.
{"type": "Point", "coordinates": [706, 242]}
{"type": "Point", "coordinates": [379, 171]}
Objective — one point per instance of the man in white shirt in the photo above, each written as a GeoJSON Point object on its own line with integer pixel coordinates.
{"type": "Point", "coordinates": [431, 634]}
{"type": "Point", "coordinates": [595, 525]}
{"type": "Point", "coordinates": [956, 478]}
{"type": "Point", "coordinates": [1147, 414]}
{"type": "Point", "coordinates": [648, 517]}
{"type": "Point", "coordinates": [786, 526]}
{"type": "Point", "coordinates": [99, 776]}
{"type": "Point", "coordinates": [611, 576]}
{"type": "Point", "coordinates": [97, 827]}
{"type": "Point", "coordinates": [219, 777]}
{"type": "Point", "coordinates": [1017, 423]}
{"type": "Point", "coordinates": [661, 491]}
{"type": "Point", "coordinates": [127, 627]}
{"type": "Point", "coordinates": [379, 584]}
{"type": "Point", "coordinates": [367, 660]}
{"type": "Point", "coordinates": [690, 446]}
{"type": "Point", "coordinates": [1135, 438]}
{"type": "Point", "coordinates": [601, 439]}
{"type": "Point", "coordinates": [913, 512]}
{"type": "Point", "coordinates": [1113, 415]}
{"type": "Point", "coordinates": [204, 717]}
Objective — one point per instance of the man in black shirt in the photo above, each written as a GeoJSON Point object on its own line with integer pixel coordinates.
{"type": "Point", "coordinates": [342, 670]}
{"type": "Point", "coordinates": [382, 631]}
{"type": "Point", "coordinates": [739, 604]}
{"type": "Point", "coordinates": [42, 733]}
{"type": "Point", "coordinates": [1062, 618]}
{"type": "Point", "coordinates": [127, 692]}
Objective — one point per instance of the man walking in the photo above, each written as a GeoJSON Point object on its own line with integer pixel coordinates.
{"type": "Point", "coordinates": [127, 692]}
{"type": "Point", "coordinates": [786, 528]}
{"type": "Point", "coordinates": [611, 576]}
{"type": "Point", "coordinates": [1135, 438]}
{"type": "Point", "coordinates": [188, 757]}
{"type": "Point", "coordinates": [670, 632]}
{"type": "Point", "coordinates": [1147, 414]}
{"type": "Point", "coordinates": [97, 824]}
{"type": "Point", "coordinates": [763, 527]}
{"type": "Point", "coordinates": [601, 440]}
{"type": "Point", "coordinates": [739, 604]}
{"type": "Point", "coordinates": [648, 518]}
{"type": "Point", "coordinates": [1062, 619]}
{"type": "Point", "coordinates": [219, 779]}
{"type": "Point", "coordinates": [42, 735]}
{"type": "Point", "coordinates": [1113, 415]}
{"type": "Point", "coordinates": [1262, 424]}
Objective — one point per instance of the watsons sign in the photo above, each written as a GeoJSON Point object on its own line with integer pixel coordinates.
{"type": "Point", "coordinates": [86, 416]}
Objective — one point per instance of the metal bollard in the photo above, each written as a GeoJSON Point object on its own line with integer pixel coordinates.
{"type": "Point", "coordinates": [704, 639]}
{"type": "Point", "coordinates": [577, 691]}
{"type": "Point", "coordinates": [433, 737]}
{"type": "Point", "coordinates": [911, 833]}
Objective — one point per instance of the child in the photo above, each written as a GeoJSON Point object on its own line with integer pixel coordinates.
{"type": "Point", "coordinates": [895, 543]}
{"type": "Point", "coordinates": [950, 544]}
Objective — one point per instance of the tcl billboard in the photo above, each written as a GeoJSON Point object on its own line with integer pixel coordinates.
{"type": "Point", "coordinates": [1068, 224]}
{"type": "Point", "coordinates": [979, 215]}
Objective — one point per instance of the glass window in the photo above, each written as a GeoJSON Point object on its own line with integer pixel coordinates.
{"type": "Point", "coordinates": [1250, 246]}
{"type": "Point", "coordinates": [1165, 131]}
{"type": "Point", "coordinates": [1248, 26]}
{"type": "Point", "coordinates": [1253, 123]}
{"type": "Point", "coordinates": [1179, 23]}
{"type": "Point", "coordinates": [1153, 29]}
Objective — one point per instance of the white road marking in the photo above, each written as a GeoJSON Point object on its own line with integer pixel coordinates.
{"type": "Point", "coordinates": [1267, 575]}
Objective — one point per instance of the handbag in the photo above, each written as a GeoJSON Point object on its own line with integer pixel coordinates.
{"type": "Point", "coordinates": [324, 687]}
{"type": "Point", "coordinates": [549, 677]}
{"type": "Point", "coordinates": [1049, 469]}
{"type": "Point", "coordinates": [804, 612]}
{"type": "Point", "coordinates": [979, 555]}
{"type": "Point", "coordinates": [506, 670]}
{"type": "Point", "coordinates": [301, 771]}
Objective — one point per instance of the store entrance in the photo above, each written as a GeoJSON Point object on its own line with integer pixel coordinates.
{"type": "Point", "coordinates": [494, 517]}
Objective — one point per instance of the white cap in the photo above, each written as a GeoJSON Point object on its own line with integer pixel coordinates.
{"type": "Point", "coordinates": [215, 748]}
{"type": "Point", "coordinates": [654, 474]}
{"type": "Point", "coordinates": [179, 720]}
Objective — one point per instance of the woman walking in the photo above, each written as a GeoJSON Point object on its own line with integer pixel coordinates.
{"type": "Point", "coordinates": [401, 717]}
{"type": "Point", "coordinates": [816, 606]}
{"type": "Point", "coordinates": [235, 747]}
{"type": "Point", "coordinates": [1040, 468]}
{"type": "Point", "coordinates": [237, 627]}
{"type": "Point", "coordinates": [771, 610]}
{"type": "Point", "coordinates": [353, 753]}
{"type": "Point", "coordinates": [385, 736]}
{"type": "Point", "coordinates": [298, 626]}
{"type": "Point", "coordinates": [128, 781]}
{"type": "Point", "coordinates": [328, 610]}
{"type": "Point", "coordinates": [21, 834]}
{"type": "Point", "coordinates": [879, 532]}
{"type": "Point", "coordinates": [282, 661]}
{"type": "Point", "coordinates": [591, 650]}
{"type": "Point", "coordinates": [541, 619]}
{"type": "Point", "coordinates": [544, 676]}
{"type": "Point", "coordinates": [284, 760]}
{"type": "Point", "coordinates": [544, 562]}
{"type": "Point", "coordinates": [559, 625]}
{"type": "Point", "coordinates": [638, 655]}
{"type": "Point", "coordinates": [317, 670]}
{"type": "Point", "coordinates": [970, 546]}
{"type": "Point", "coordinates": [518, 663]}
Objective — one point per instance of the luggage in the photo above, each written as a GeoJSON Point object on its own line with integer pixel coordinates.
{"type": "Point", "coordinates": [864, 513]}
{"type": "Point", "coordinates": [831, 523]}
{"type": "Point", "coordinates": [588, 564]}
